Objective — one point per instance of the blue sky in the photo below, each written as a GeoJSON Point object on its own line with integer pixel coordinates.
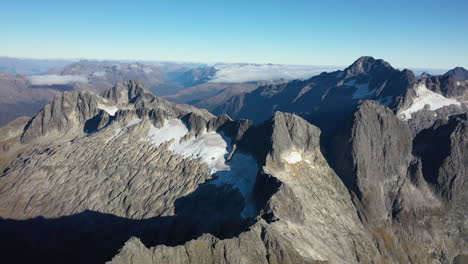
{"type": "Point", "coordinates": [431, 34]}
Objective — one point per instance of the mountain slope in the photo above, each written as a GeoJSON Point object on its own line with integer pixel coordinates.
{"type": "Point", "coordinates": [172, 183]}
{"type": "Point", "coordinates": [335, 93]}
{"type": "Point", "coordinates": [328, 99]}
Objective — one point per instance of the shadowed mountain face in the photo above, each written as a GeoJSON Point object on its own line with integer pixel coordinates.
{"type": "Point", "coordinates": [128, 177]}
{"type": "Point", "coordinates": [94, 237]}
{"type": "Point", "coordinates": [328, 99]}
{"type": "Point", "coordinates": [458, 73]}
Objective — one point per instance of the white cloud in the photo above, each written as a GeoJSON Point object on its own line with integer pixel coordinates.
{"type": "Point", "coordinates": [56, 79]}
{"type": "Point", "coordinates": [266, 72]}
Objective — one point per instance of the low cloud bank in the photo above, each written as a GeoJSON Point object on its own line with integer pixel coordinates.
{"type": "Point", "coordinates": [266, 72]}
{"type": "Point", "coordinates": [56, 79]}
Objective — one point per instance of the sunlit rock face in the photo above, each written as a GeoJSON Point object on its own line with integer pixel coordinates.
{"type": "Point", "coordinates": [128, 177]}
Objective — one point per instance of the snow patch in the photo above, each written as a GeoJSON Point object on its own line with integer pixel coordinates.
{"type": "Point", "coordinates": [310, 163]}
{"type": "Point", "coordinates": [111, 110]}
{"type": "Point", "coordinates": [241, 173]}
{"type": "Point", "coordinates": [424, 97]}
{"type": "Point", "coordinates": [293, 157]}
{"type": "Point", "coordinates": [209, 147]}
{"type": "Point", "coordinates": [172, 129]}
{"type": "Point", "coordinates": [362, 91]}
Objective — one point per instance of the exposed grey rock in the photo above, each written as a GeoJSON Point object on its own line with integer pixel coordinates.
{"type": "Point", "coordinates": [374, 154]}
{"type": "Point", "coordinates": [125, 93]}
{"type": "Point", "coordinates": [65, 113]}
{"type": "Point", "coordinates": [447, 85]}
{"type": "Point", "coordinates": [307, 217]}
{"type": "Point", "coordinates": [459, 73]}
{"type": "Point", "coordinates": [426, 118]}
{"type": "Point", "coordinates": [84, 173]}
{"type": "Point", "coordinates": [325, 100]}
{"type": "Point", "coordinates": [258, 245]}
{"type": "Point", "coordinates": [442, 149]}
{"type": "Point", "coordinates": [404, 200]}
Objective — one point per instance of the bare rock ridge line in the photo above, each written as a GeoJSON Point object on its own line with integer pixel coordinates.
{"type": "Point", "coordinates": [368, 170]}
{"type": "Point", "coordinates": [328, 99]}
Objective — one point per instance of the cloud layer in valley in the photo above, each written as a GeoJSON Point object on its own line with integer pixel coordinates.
{"type": "Point", "coordinates": [56, 79]}
{"type": "Point", "coordinates": [266, 72]}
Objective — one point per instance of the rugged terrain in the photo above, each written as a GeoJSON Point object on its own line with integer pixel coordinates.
{"type": "Point", "coordinates": [128, 177]}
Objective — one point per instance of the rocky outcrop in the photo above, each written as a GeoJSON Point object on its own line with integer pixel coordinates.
{"type": "Point", "coordinates": [171, 183]}
{"type": "Point", "coordinates": [124, 93]}
{"type": "Point", "coordinates": [326, 100]}
{"type": "Point", "coordinates": [65, 113]}
{"type": "Point", "coordinates": [443, 157]}
{"type": "Point", "coordinates": [458, 73]}
{"type": "Point", "coordinates": [447, 85]}
{"type": "Point", "coordinates": [307, 216]}
{"type": "Point", "coordinates": [374, 154]}
{"type": "Point", "coordinates": [401, 187]}
{"type": "Point", "coordinates": [259, 245]}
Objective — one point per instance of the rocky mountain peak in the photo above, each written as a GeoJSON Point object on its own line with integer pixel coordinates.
{"type": "Point", "coordinates": [125, 92]}
{"type": "Point", "coordinates": [377, 152]}
{"type": "Point", "coordinates": [424, 75]}
{"type": "Point", "coordinates": [459, 73]}
{"type": "Point", "coordinates": [292, 135]}
{"type": "Point", "coordinates": [367, 64]}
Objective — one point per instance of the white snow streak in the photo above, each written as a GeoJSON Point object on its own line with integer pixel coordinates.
{"type": "Point", "coordinates": [241, 173]}
{"type": "Point", "coordinates": [111, 110]}
{"type": "Point", "coordinates": [427, 97]}
{"type": "Point", "coordinates": [293, 157]}
{"type": "Point", "coordinates": [211, 148]}
{"type": "Point", "coordinates": [362, 91]}
{"type": "Point", "coordinates": [172, 130]}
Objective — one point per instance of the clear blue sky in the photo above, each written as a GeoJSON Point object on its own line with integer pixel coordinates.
{"type": "Point", "coordinates": [406, 33]}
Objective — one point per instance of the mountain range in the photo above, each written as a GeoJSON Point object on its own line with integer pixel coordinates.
{"type": "Point", "coordinates": [361, 165]}
{"type": "Point", "coordinates": [199, 84]}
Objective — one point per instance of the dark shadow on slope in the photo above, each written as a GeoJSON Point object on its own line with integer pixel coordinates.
{"type": "Point", "coordinates": [433, 146]}
{"type": "Point", "coordinates": [335, 145]}
{"type": "Point", "coordinates": [93, 237]}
